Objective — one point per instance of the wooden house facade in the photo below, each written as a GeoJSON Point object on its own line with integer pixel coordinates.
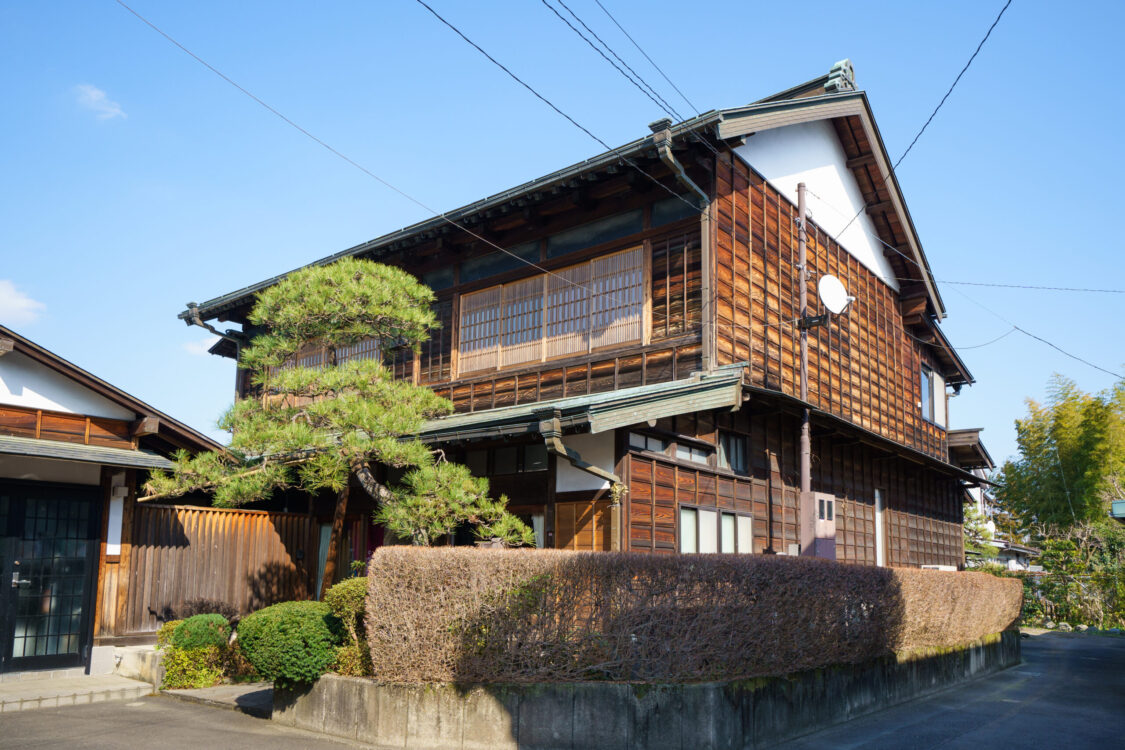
{"type": "Point", "coordinates": [74, 451]}
{"type": "Point", "coordinates": [620, 342]}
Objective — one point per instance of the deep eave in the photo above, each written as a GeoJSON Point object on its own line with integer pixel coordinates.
{"type": "Point", "coordinates": [722, 124]}
{"type": "Point", "coordinates": [134, 459]}
{"type": "Point", "coordinates": [174, 431]}
{"type": "Point", "coordinates": [600, 412]}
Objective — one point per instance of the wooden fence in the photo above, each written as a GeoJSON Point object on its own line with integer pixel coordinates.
{"type": "Point", "coordinates": [246, 558]}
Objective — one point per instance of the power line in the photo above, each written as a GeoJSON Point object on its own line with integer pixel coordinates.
{"type": "Point", "coordinates": [654, 96]}
{"type": "Point", "coordinates": [979, 304]}
{"type": "Point", "coordinates": [550, 104]}
{"type": "Point", "coordinates": [337, 153]}
{"type": "Point", "coordinates": [662, 103]}
{"type": "Point", "coordinates": [954, 84]}
{"type": "Point", "coordinates": [933, 114]}
{"type": "Point", "coordinates": [1032, 286]}
{"type": "Point", "coordinates": [658, 70]}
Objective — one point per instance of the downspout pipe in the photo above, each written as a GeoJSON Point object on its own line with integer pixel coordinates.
{"type": "Point", "coordinates": [195, 319]}
{"type": "Point", "coordinates": [662, 140]}
{"type": "Point", "coordinates": [551, 429]}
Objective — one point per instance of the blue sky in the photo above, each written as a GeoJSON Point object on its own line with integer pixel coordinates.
{"type": "Point", "coordinates": [134, 180]}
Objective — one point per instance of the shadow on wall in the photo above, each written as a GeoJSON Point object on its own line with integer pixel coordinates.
{"type": "Point", "coordinates": [247, 560]}
{"type": "Point", "coordinates": [542, 646]}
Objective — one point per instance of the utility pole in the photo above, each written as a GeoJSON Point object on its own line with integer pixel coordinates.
{"type": "Point", "coordinates": [806, 441]}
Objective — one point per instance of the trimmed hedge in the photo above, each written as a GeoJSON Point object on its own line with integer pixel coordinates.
{"type": "Point", "coordinates": [473, 615]}
{"type": "Point", "coordinates": [292, 642]}
{"type": "Point", "coordinates": [201, 631]}
{"type": "Point", "coordinates": [347, 600]}
{"type": "Point", "coordinates": [192, 668]}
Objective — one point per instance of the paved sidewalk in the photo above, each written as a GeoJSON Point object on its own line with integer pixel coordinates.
{"type": "Point", "coordinates": [30, 694]}
{"type": "Point", "coordinates": [253, 698]}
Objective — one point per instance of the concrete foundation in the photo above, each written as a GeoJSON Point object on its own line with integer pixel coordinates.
{"type": "Point", "coordinates": [139, 663]}
{"type": "Point", "coordinates": [567, 716]}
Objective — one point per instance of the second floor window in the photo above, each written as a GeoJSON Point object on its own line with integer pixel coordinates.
{"type": "Point", "coordinates": [933, 396]}
{"type": "Point", "coordinates": [732, 452]}
{"type": "Point", "coordinates": [572, 311]}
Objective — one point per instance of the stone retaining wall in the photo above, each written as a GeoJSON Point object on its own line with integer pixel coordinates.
{"type": "Point", "coordinates": [568, 716]}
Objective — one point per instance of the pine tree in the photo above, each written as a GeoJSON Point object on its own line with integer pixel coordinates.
{"type": "Point", "coordinates": [319, 427]}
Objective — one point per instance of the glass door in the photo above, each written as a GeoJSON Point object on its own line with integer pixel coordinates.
{"type": "Point", "coordinates": [48, 565]}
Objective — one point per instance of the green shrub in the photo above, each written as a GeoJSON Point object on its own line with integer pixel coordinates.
{"type": "Point", "coordinates": [353, 660]}
{"type": "Point", "coordinates": [165, 631]}
{"type": "Point", "coordinates": [348, 601]}
{"type": "Point", "coordinates": [291, 642]}
{"type": "Point", "coordinates": [192, 667]}
{"type": "Point", "coordinates": [236, 667]}
{"type": "Point", "coordinates": [200, 631]}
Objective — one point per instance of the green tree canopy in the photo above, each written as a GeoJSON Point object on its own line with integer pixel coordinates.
{"type": "Point", "coordinates": [1072, 458]}
{"type": "Point", "coordinates": [316, 426]}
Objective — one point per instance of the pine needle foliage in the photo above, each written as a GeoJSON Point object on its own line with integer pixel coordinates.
{"type": "Point", "coordinates": [318, 428]}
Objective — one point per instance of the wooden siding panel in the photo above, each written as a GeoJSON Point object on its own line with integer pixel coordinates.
{"type": "Point", "coordinates": [863, 367]}
{"type": "Point", "coordinates": [246, 558]}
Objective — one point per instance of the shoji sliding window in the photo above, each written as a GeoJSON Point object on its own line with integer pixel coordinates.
{"type": "Point", "coordinates": [569, 312]}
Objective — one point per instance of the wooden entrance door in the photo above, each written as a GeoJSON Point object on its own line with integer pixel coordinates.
{"type": "Point", "coordinates": [49, 538]}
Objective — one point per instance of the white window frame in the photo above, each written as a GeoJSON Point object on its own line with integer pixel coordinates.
{"type": "Point", "coordinates": [932, 389]}
{"type": "Point", "coordinates": [743, 527]}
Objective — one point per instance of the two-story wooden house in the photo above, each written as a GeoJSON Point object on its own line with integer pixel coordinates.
{"type": "Point", "coordinates": [639, 330]}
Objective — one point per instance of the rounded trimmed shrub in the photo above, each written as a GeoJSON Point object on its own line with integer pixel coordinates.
{"type": "Point", "coordinates": [291, 642]}
{"type": "Point", "coordinates": [201, 631]}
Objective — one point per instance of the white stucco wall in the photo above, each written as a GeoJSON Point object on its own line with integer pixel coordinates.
{"type": "Point", "coordinates": [24, 382]}
{"type": "Point", "coordinates": [49, 470]}
{"type": "Point", "coordinates": [811, 153]}
{"type": "Point", "coordinates": [594, 449]}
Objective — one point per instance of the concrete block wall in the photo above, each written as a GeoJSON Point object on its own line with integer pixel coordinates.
{"type": "Point", "coordinates": [568, 716]}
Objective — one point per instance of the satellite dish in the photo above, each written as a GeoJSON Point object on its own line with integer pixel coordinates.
{"type": "Point", "coordinates": [833, 294]}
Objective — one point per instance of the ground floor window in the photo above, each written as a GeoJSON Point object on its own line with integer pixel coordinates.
{"type": "Point", "coordinates": [706, 530]}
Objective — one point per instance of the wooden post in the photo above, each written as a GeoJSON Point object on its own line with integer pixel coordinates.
{"type": "Point", "coordinates": [334, 538]}
{"type": "Point", "coordinates": [806, 523]}
{"type": "Point", "coordinates": [107, 489]}
{"type": "Point", "coordinates": [124, 564]}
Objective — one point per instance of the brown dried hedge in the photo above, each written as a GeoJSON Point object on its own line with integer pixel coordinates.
{"type": "Point", "coordinates": [472, 615]}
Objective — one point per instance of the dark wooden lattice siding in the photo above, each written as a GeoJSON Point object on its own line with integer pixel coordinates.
{"type": "Point", "coordinates": [435, 362]}
{"type": "Point", "coordinates": [863, 367]}
{"type": "Point", "coordinates": [676, 285]}
{"type": "Point", "coordinates": [922, 519]}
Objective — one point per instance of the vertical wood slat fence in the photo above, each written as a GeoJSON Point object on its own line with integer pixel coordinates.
{"type": "Point", "coordinates": [246, 558]}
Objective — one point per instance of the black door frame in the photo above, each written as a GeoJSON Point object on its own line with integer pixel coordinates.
{"type": "Point", "coordinates": [17, 488]}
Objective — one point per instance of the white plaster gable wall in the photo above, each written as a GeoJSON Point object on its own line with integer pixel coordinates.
{"type": "Point", "coordinates": [811, 153]}
{"type": "Point", "coordinates": [594, 449]}
{"type": "Point", "coordinates": [25, 382]}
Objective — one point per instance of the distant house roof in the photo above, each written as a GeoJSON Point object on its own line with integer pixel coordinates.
{"type": "Point", "coordinates": [870, 164]}
{"type": "Point", "coordinates": [966, 449]}
{"type": "Point", "coordinates": [171, 433]}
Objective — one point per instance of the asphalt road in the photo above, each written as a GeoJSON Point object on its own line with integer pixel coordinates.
{"type": "Point", "coordinates": [154, 722]}
{"type": "Point", "coordinates": [1069, 693]}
